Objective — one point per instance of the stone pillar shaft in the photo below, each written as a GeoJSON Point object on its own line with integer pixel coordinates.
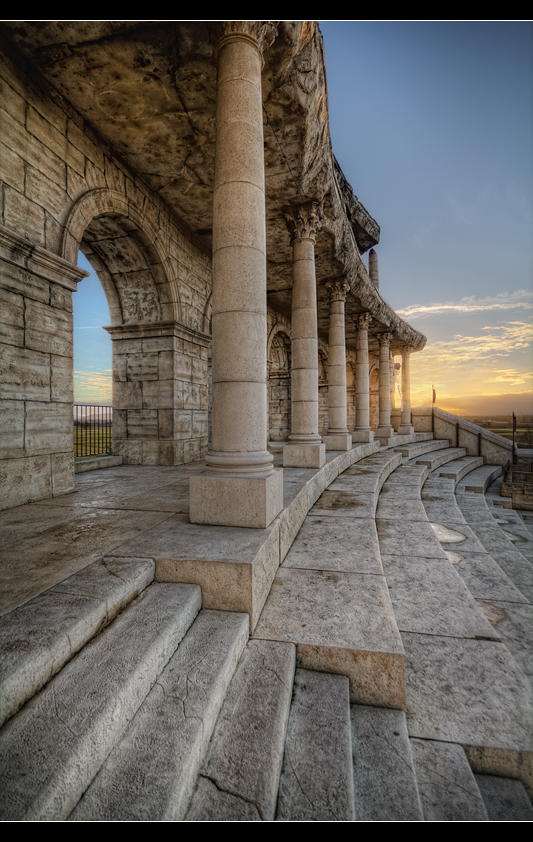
{"type": "Point", "coordinates": [239, 452]}
{"type": "Point", "coordinates": [362, 431]}
{"type": "Point", "coordinates": [385, 429]}
{"type": "Point", "coordinates": [337, 437]}
{"type": "Point", "coordinates": [406, 427]}
{"type": "Point", "coordinates": [305, 448]}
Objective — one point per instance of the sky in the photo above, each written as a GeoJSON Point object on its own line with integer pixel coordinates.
{"type": "Point", "coordinates": [432, 124]}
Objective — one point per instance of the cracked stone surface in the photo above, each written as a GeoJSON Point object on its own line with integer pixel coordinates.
{"type": "Point", "coordinates": [239, 776]}
{"type": "Point", "coordinates": [384, 777]}
{"type": "Point", "coordinates": [37, 638]}
{"type": "Point", "coordinates": [316, 782]}
{"type": "Point", "coordinates": [446, 784]}
{"type": "Point", "coordinates": [52, 749]}
{"type": "Point", "coordinates": [150, 775]}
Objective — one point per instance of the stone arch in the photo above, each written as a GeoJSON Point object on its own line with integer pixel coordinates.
{"type": "Point", "coordinates": [279, 382]}
{"type": "Point", "coordinates": [128, 252]}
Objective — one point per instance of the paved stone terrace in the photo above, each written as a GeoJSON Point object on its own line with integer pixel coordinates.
{"type": "Point", "coordinates": [386, 600]}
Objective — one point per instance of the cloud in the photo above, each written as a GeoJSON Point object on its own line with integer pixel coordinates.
{"type": "Point", "coordinates": [519, 299]}
{"type": "Point", "coordinates": [93, 386]}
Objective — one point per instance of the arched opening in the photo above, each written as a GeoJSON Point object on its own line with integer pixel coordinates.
{"type": "Point", "coordinates": [93, 381]}
{"type": "Point", "coordinates": [279, 388]}
{"type": "Point", "coordinates": [159, 365]}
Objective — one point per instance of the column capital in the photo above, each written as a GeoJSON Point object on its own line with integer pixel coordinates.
{"type": "Point", "coordinates": [384, 338]}
{"type": "Point", "coordinates": [362, 322]}
{"type": "Point", "coordinates": [303, 221]}
{"type": "Point", "coordinates": [259, 32]}
{"type": "Point", "coordinates": [338, 289]}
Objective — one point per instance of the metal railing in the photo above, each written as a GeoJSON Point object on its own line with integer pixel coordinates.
{"type": "Point", "coordinates": [93, 429]}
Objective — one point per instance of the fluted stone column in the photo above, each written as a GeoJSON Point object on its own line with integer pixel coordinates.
{"type": "Point", "coordinates": [240, 486]}
{"type": "Point", "coordinates": [406, 428]}
{"type": "Point", "coordinates": [305, 448]}
{"type": "Point", "coordinates": [362, 431]}
{"type": "Point", "coordinates": [385, 429]}
{"type": "Point", "coordinates": [337, 436]}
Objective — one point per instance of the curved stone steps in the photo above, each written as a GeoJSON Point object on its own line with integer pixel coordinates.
{"type": "Point", "coordinates": [495, 541]}
{"type": "Point", "coordinates": [418, 448]}
{"type": "Point", "coordinates": [479, 479]}
{"type": "Point", "coordinates": [457, 521]}
{"type": "Point", "coordinates": [151, 773]}
{"type": "Point", "coordinates": [451, 695]}
{"type": "Point", "coordinates": [330, 597]}
{"type": "Point", "coordinates": [38, 638]}
{"type": "Point", "coordinates": [435, 459]}
{"type": "Point", "coordinates": [459, 468]}
{"type": "Point", "coordinates": [53, 747]}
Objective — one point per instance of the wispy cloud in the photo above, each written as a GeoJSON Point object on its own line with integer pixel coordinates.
{"type": "Point", "coordinates": [519, 299]}
{"type": "Point", "coordinates": [93, 386]}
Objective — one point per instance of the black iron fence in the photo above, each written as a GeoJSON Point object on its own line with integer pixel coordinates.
{"type": "Point", "coordinates": [93, 429]}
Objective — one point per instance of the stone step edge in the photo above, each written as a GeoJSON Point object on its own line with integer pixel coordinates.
{"type": "Point", "coordinates": [69, 614]}
{"type": "Point", "coordinates": [441, 457]}
{"type": "Point", "coordinates": [248, 593]}
{"type": "Point", "coordinates": [52, 749]}
{"type": "Point", "coordinates": [170, 733]}
{"type": "Point", "coordinates": [462, 469]}
{"type": "Point", "coordinates": [419, 448]}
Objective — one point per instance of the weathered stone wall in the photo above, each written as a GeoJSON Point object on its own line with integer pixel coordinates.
{"type": "Point", "coordinates": [62, 188]}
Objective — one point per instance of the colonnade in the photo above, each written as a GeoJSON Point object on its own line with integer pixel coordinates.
{"type": "Point", "coordinates": [240, 486]}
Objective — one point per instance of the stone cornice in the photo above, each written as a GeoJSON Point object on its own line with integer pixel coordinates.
{"type": "Point", "coordinates": [149, 329]}
{"type": "Point", "coordinates": [37, 260]}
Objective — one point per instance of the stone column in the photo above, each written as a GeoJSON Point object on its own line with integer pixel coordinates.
{"type": "Point", "coordinates": [406, 428]}
{"type": "Point", "coordinates": [385, 429]}
{"type": "Point", "coordinates": [362, 431]}
{"type": "Point", "coordinates": [240, 486]}
{"type": "Point", "coordinates": [305, 448]}
{"type": "Point", "coordinates": [373, 270]}
{"type": "Point", "coordinates": [337, 436]}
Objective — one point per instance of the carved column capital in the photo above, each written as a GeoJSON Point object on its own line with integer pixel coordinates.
{"type": "Point", "coordinates": [362, 322]}
{"type": "Point", "coordinates": [261, 32]}
{"type": "Point", "coordinates": [384, 338]}
{"type": "Point", "coordinates": [338, 289]}
{"type": "Point", "coordinates": [303, 221]}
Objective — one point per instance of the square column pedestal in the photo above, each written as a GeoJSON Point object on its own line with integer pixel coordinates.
{"type": "Point", "coordinates": [252, 502]}
{"type": "Point", "coordinates": [362, 436]}
{"type": "Point", "coordinates": [338, 441]}
{"type": "Point", "coordinates": [304, 455]}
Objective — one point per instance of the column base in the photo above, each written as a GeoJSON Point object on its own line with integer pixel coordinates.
{"type": "Point", "coordinates": [304, 455]}
{"type": "Point", "coordinates": [251, 502]}
{"type": "Point", "coordinates": [363, 435]}
{"type": "Point", "coordinates": [405, 430]}
{"type": "Point", "coordinates": [338, 441]}
{"type": "Point", "coordinates": [384, 432]}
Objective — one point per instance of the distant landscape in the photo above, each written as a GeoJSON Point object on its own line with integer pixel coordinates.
{"type": "Point", "coordinates": [503, 425]}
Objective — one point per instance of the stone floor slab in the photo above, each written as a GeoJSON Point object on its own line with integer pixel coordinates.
{"type": "Point", "coordinates": [384, 778]}
{"type": "Point", "coordinates": [341, 622]}
{"type": "Point", "coordinates": [470, 692]}
{"type": "Point", "coordinates": [429, 597]}
{"type": "Point", "coordinates": [316, 781]}
{"type": "Point", "coordinates": [331, 543]}
{"type": "Point", "coordinates": [447, 787]}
